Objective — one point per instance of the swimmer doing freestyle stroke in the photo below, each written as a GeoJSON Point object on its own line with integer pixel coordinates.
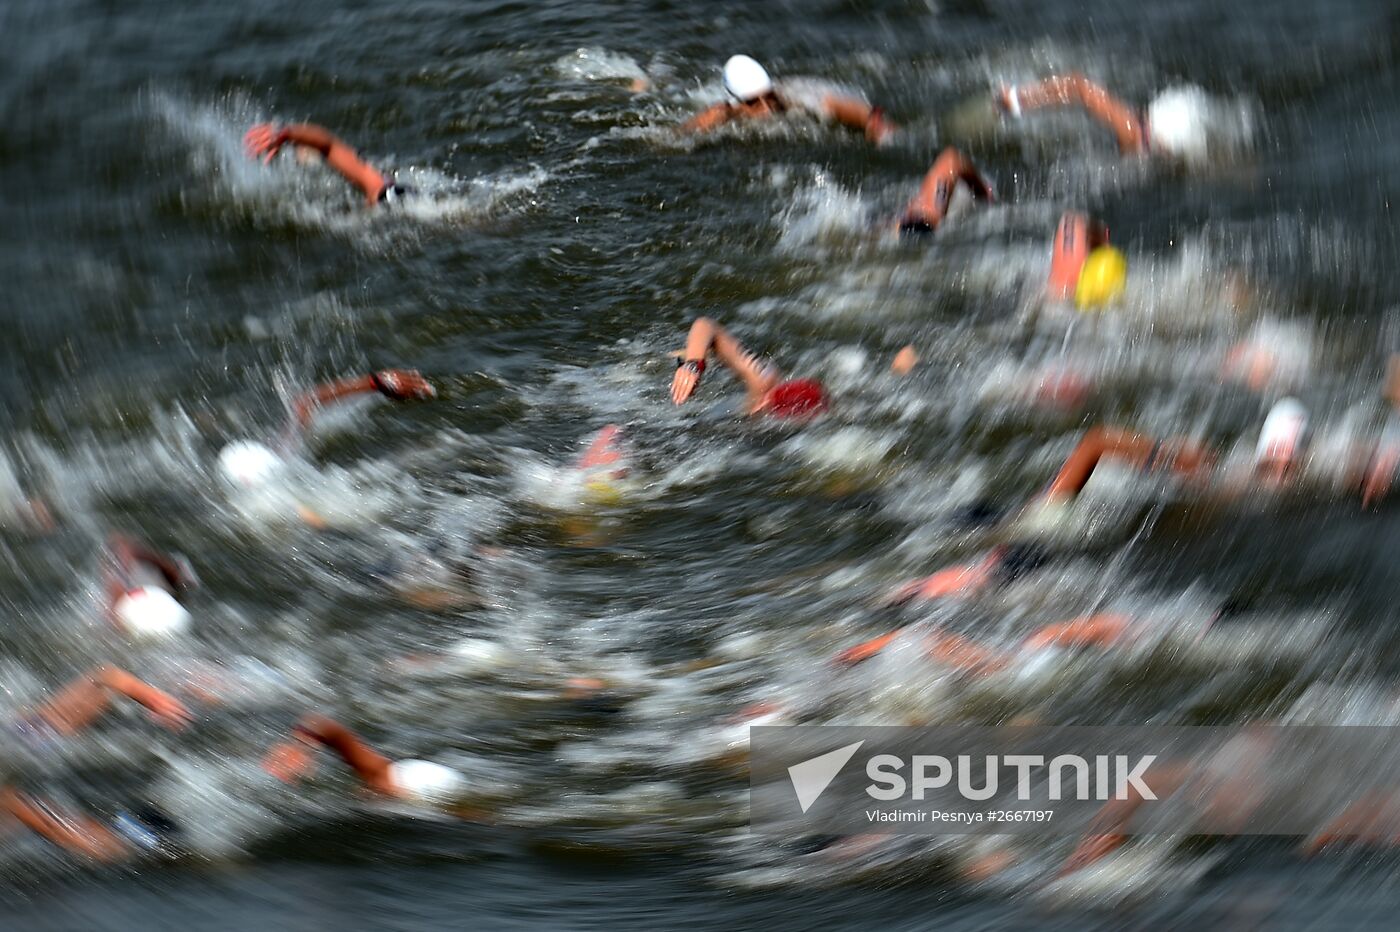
{"type": "Point", "coordinates": [265, 140]}
{"type": "Point", "coordinates": [249, 464]}
{"type": "Point", "coordinates": [766, 392]}
{"type": "Point", "coordinates": [72, 709]}
{"type": "Point", "coordinates": [756, 97]}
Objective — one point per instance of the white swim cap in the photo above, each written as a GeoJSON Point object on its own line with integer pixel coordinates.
{"type": "Point", "coordinates": [1281, 437]}
{"type": "Point", "coordinates": [151, 612]}
{"type": "Point", "coordinates": [426, 782]}
{"type": "Point", "coordinates": [247, 463]}
{"type": "Point", "coordinates": [1177, 121]}
{"type": "Point", "coordinates": [1039, 664]}
{"type": "Point", "coordinates": [480, 654]}
{"type": "Point", "coordinates": [745, 78]}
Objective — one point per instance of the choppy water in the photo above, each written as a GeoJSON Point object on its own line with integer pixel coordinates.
{"type": "Point", "coordinates": [164, 295]}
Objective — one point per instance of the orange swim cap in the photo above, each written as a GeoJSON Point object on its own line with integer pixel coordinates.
{"type": "Point", "coordinates": [796, 398]}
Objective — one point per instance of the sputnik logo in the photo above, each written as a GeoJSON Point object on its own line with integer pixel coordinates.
{"type": "Point", "coordinates": [811, 777]}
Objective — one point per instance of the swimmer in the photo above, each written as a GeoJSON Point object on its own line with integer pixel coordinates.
{"type": "Point", "coordinates": [394, 384]}
{"type": "Point", "coordinates": [1099, 630]}
{"type": "Point", "coordinates": [1173, 125]}
{"type": "Point", "coordinates": [766, 391]}
{"type": "Point", "coordinates": [73, 708]}
{"type": "Point", "coordinates": [1261, 771]}
{"type": "Point", "coordinates": [142, 586]}
{"type": "Point", "coordinates": [266, 139]}
{"type": "Point", "coordinates": [756, 97]}
{"type": "Point", "coordinates": [929, 207]}
{"type": "Point", "coordinates": [80, 703]}
{"type": "Point", "coordinates": [1076, 237]}
{"type": "Point", "coordinates": [417, 781]}
{"type": "Point", "coordinates": [1029, 550]}
{"type": "Point", "coordinates": [249, 464]}
{"type": "Point", "coordinates": [77, 834]}
{"type": "Point", "coordinates": [1283, 459]}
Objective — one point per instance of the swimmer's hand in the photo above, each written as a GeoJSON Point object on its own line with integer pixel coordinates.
{"type": "Point", "coordinates": [403, 384]}
{"type": "Point", "coordinates": [878, 129]}
{"type": "Point", "coordinates": [289, 762]}
{"type": "Point", "coordinates": [264, 141]}
{"type": "Point", "coordinates": [685, 380]}
{"type": "Point", "coordinates": [166, 710]}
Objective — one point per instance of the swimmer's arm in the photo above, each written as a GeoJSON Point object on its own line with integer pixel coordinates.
{"type": "Point", "coordinates": [81, 702]}
{"type": "Point", "coordinates": [128, 551]}
{"type": "Point", "coordinates": [369, 765]}
{"type": "Point", "coordinates": [857, 114]}
{"type": "Point", "coordinates": [266, 141]}
{"type": "Point", "coordinates": [1135, 449]}
{"type": "Point", "coordinates": [396, 384]}
{"type": "Point", "coordinates": [710, 118]}
{"type": "Point", "coordinates": [692, 364]}
{"type": "Point", "coordinates": [79, 835]}
{"type": "Point", "coordinates": [957, 651]}
{"type": "Point", "coordinates": [936, 191]}
{"type": "Point", "coordinates": [1101, 630]}
{"type": "Point", "coordinates": [704, 335]}
{"type": "Point", "coordinates": [757, 378]}
{"type": "Point", "coordinates": [1113, 113]}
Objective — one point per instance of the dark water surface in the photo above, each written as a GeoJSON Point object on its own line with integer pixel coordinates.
{"type": "Point", "coordinates": [163, 295]}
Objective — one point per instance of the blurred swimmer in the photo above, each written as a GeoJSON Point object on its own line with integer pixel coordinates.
{"type": "Point", "coordinates": [81, 702]}
{"type": "Point", "coordinates": [248, 464]}
{"type": "Point", "coordinates": [603, 468]}
{"type": "Point", "coordinates": [1256, 774]}
{"type": "Point", "coordinates": [1283, 458]}
{"type": "Point", "coordinates": [1077, 238]}
{"type": "Point", "coordinates": [417, 781]}
{"type": "Point", "coordinates": [142, 586]}
{"type": "Point", "coordinates": [1033, 528]}
{"type": "Point", "coordinates": [953, 650]}
{"type": "Point", "coordinates": [77, 834]}
{"type": "Point", "coordinates": [1176, 124]}
{"type": "Point", "coordinates": [266, 139]}
{"type": "Point", "coordinates": [929, 207]}
{"type": "Point", "coordinates": [756, 97]}
{"type": "Point", "coordinates": [766, 391]}
{"type": "Point", "coordinates": [73, 708]}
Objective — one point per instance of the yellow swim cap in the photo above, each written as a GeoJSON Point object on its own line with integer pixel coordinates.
{"type": "Point", "coordinates": [1102, 278]}
{"type": "Point", "coordinates": [602, 492]}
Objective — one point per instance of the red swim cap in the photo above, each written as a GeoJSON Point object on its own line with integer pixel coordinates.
{"type": "Point", "coordinates": [796, 398]}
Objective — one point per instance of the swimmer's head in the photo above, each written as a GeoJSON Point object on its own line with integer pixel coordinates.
{"type": "Point", "coordinates": [1177, 122]}
{"type": "Point", "coordinates": [1102, 279]}
{"type": "Point", "coordinates": [426, 782]}
{"type": "Point", "coordinates": [746, 79]}
{"type": "Point", "coordinates": [795, 398]}
{"type": "Point", "coordinates": [151, 612]}
{"type": "Point", "coordinates": [1281, 439]}
{"type": "Point", "coordinates": [248, 464]}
